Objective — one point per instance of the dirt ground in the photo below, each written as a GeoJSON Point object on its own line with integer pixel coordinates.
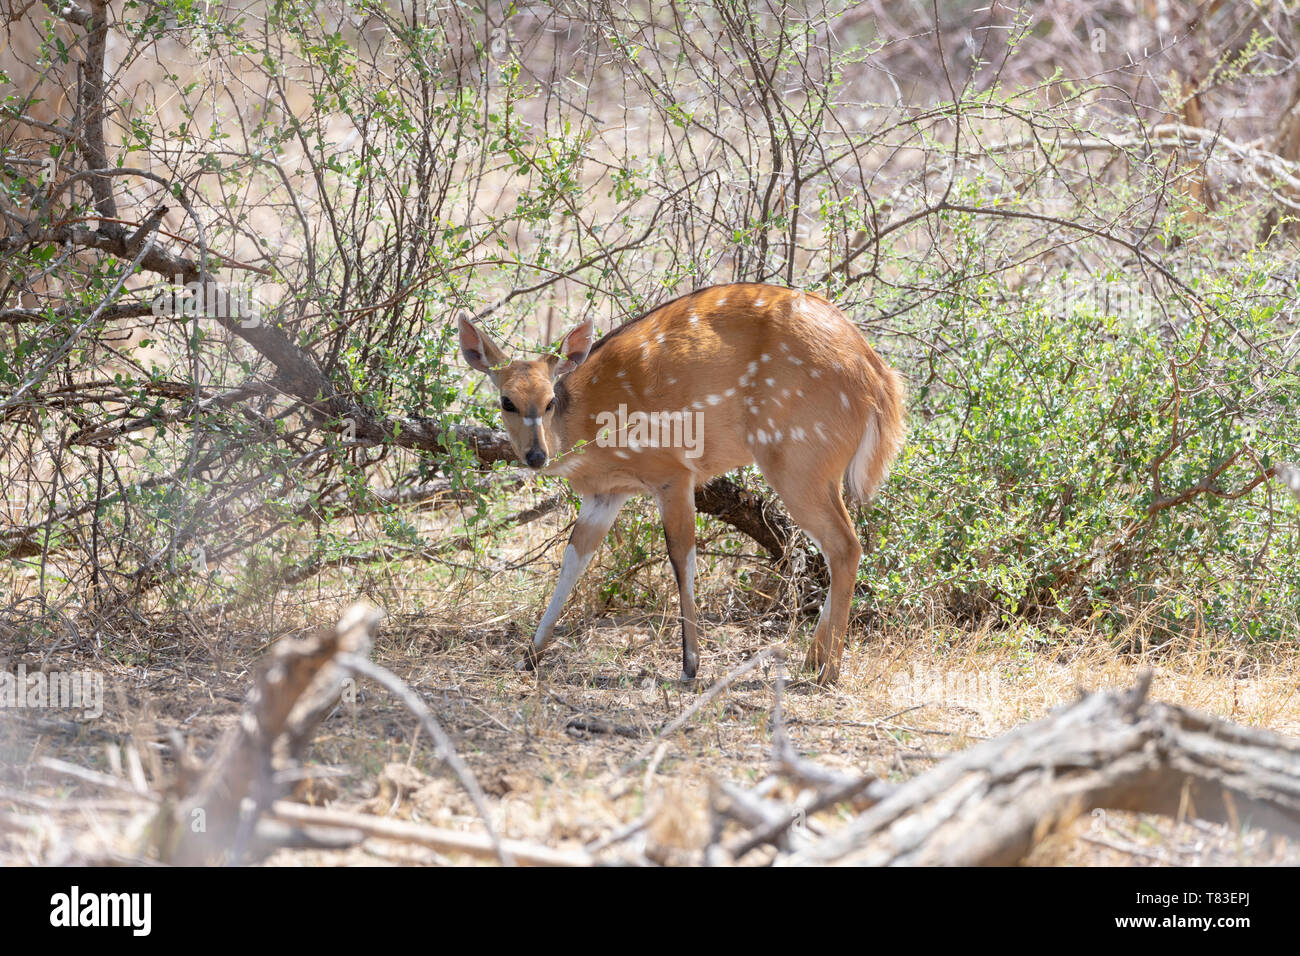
{"type": "Point", "coordinates": [551, 749]}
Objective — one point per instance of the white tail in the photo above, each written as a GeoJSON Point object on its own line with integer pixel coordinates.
{"type": "Point", "coordinates": [728, 376]}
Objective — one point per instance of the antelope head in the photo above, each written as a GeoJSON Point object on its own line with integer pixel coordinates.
{"type": "Point", "coordinates": [527, 386]}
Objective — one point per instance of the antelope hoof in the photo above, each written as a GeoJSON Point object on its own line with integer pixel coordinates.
{"type": "Point", "coordinates": [689, 669]}
{"type": "Point", "coordinates": [530, 660]}
{"type": "Point", "coordinates": [824, 672]}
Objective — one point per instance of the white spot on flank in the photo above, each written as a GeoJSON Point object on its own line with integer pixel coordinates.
{"type": "Point", "coordinates": [785, 393]}
{"type": "Point", "coordinates": [762, 437]}
{"type": "Point", "coordinates": [777, 436]}
{"type": "Point", "coordinates": [618, 453]}
{"type": "Point", "coordinates": [729, 392]}
{"type": "Point", "coordinates": [594, 379]}
{"type": "Point", "coordinates": [695, 318]}
{"type": "Point", "coordinates": [714, 399]}
{"type": "Point", "coordinates": [670, 380]}
{"type": "Point", "coordinates": [795, 361]}
{"type": "Point", "coordinates": [758, 303]}
{"type": "Point", "coordinates": [621, 373]}
{"type": "Point", "coordinates": [753, 369]}
{"type": "Point", "coordinates": [770, 382]}
{"type": "Point", "coordinates": [771, 424]}
{"type": "Point", "coordinates": [815, 374]}
{"type": "Point", "coordinates": [722, 300]}
{"type": "Point", "coordinates": [660, 338]}
{"type": "Point", "coordinates": [845, 399]}
{"type": "Point", "coordinates": [753, 410]}
{"type": "Point", "coordinates": [765, 357]}
{"type": "Point", "coordinates": [697, 405]}
{"type": "Point", "coordinates": [799, 392]}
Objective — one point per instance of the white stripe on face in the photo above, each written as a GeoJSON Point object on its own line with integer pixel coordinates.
{"type": "Point", "coordinates": [532, 421]}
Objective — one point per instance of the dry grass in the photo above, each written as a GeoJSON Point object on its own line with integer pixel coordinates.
{"type": "Point", "coordinates": [909, 694]}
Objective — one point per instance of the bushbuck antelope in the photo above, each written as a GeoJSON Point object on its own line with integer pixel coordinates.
{"type": "Point", "coordinates": [727, 376]}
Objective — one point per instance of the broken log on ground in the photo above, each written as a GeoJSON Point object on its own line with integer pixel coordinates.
{"type": "Point", "coordinates": [215, 822]}
{"type": "Point", "coordinates": [1114, 750]}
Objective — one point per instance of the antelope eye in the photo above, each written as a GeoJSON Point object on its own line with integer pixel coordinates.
{"type": "Point", "coordinates": [550, 406]}
{"type": "Point", "coordinates": [507, 405]}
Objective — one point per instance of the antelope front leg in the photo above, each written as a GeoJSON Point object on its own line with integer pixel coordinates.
{"type": "Point", "coordinates": [677, 509]}
{"type": "Point", "coordinates": [596, 516]}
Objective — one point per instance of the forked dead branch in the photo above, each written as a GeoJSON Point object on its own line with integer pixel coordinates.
{"type": "Point", "coordinates": [1112, 750]}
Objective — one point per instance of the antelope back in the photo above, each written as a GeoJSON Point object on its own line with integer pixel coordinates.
{"type": "Point", "coordinates": [722, 378]}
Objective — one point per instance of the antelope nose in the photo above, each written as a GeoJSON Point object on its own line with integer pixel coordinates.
{"type": "Point", "coordinates": [535, 458]}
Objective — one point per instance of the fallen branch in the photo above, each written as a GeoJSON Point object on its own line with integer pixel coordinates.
{"type": "Point", "coordinates": [990, 804]}
{"type": "Point", "coordinates": [445, 751]}
{"type": "Point", "coordinates": [599, 725]}
{"type": "Point", "coordinates": [447, 841]}
{"type": "Point", "coordinates": [769, 822]}
{"type": "Point", "coordinates": [212, 822]}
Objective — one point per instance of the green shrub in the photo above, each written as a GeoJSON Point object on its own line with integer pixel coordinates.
{"type": "Point", "coordinates": [1027, 484]}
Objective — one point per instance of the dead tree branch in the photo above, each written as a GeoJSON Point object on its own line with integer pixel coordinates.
{"type": "Point", "coordinates": [990, 804]}
{"type": "Point", "coordinates": [212, 822]}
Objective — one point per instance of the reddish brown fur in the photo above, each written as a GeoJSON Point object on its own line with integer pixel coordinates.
{"type": "Point", "coordinates": [780, 378]}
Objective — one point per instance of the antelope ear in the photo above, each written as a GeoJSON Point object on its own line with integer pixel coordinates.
{"type": "Point", "coordinates": [574, 349]}
{"type": "Point", "coordinates": [478, 350]}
